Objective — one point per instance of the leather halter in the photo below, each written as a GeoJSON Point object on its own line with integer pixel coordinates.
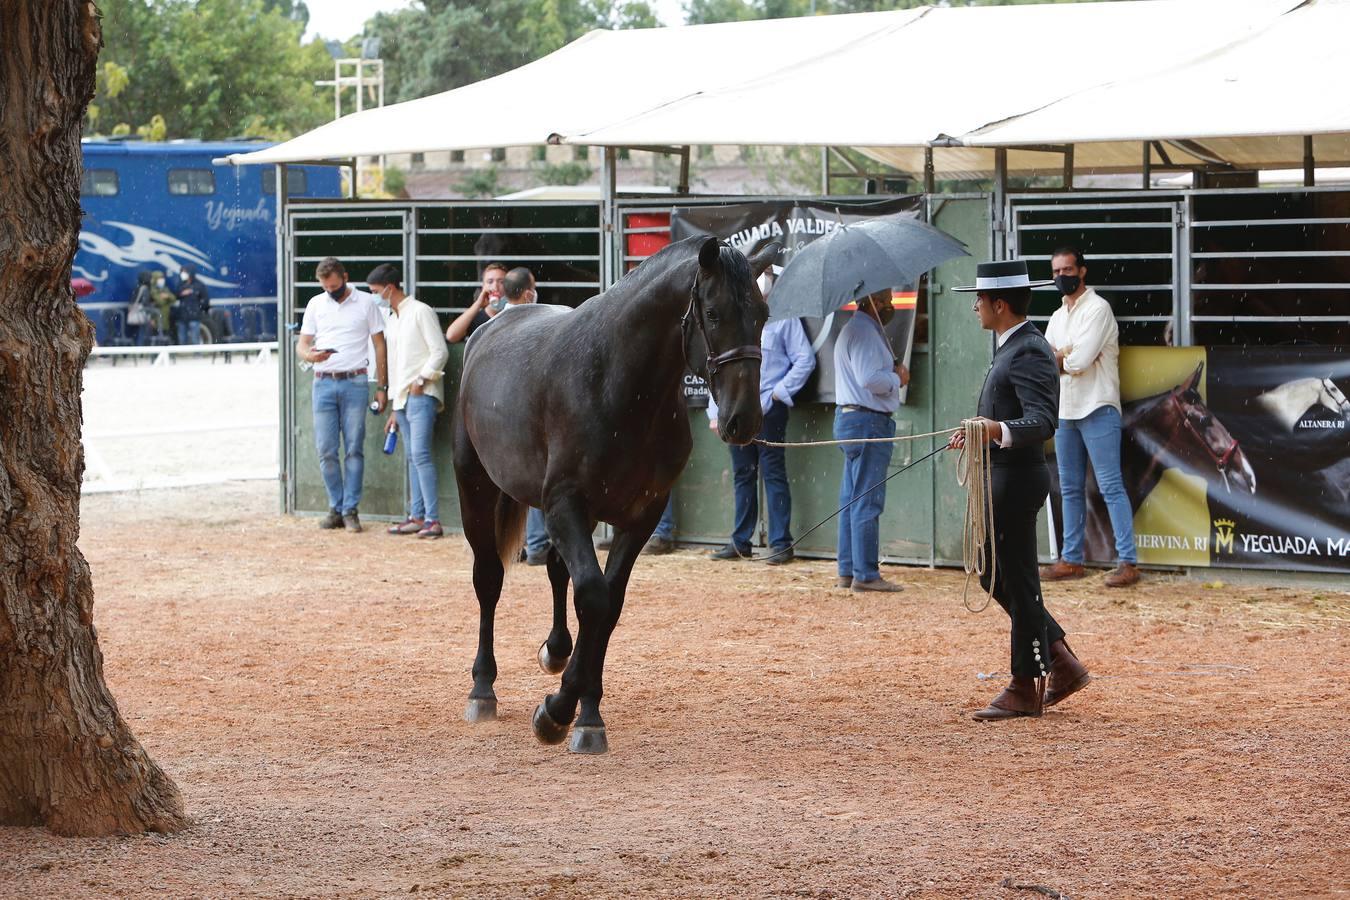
{"type": "Point", "coordinates": [1221, 460]}
{"type": "Point", "coordinates": [693, 316]}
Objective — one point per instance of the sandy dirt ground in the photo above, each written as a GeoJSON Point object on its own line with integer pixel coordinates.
{"type": "Point", "coordinates": [770, 736]}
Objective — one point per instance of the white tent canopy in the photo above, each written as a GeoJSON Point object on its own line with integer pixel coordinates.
{"type": "Point", "coordinates": [1240, 81]}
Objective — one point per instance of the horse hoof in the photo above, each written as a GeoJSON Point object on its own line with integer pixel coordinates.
{"type": "Point", "coordinates": [547, 730]}
{"type": "Point", "coordinates": [481, 710]}
{"type": "Point", "coordinates": [589, 739]}
{"type": "Point", "coordinates": [551, 664]}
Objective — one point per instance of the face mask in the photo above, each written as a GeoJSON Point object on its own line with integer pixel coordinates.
{"type": "Point", "coordinates": [337, 294]}
{"type": "Point", "coordinates": [499, 304]}
{"type": "Point", "coordinates": [1067, 284]}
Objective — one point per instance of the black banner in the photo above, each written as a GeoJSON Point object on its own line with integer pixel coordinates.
{"type": "Point", "coordinates": [751, 226]}
{"type": "Point", "coordinates": [1233, 456]}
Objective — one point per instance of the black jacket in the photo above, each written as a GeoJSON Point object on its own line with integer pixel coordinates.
{"type": "Point", "coordinates": [194, 306]}
{"type": "Point", "coordinates": [1022, 389]}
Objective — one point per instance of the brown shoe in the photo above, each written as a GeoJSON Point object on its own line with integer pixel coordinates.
{"type": "Point", "coordinates": [1021, 698]}
{"type": "Point", "coordinates": [1061, 571]}
{"type": "Point", "coordinates": [844, 581]}
{"type": "Point", "coordinates": [878, 584]}
{"type": "Point", "coordinates": [1125, 575]}
{"type": "Point", "coordinates": [1067, 674]}
{"type": "Point", "coordinates": [351, 521]}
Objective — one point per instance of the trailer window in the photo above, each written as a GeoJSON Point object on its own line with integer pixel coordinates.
{"type": "Point", "coordinates": [296, 183]}
{"type": "Point", "coordinates": [191, 181]}
{"type": "Point", "coordinates": [99, 183]}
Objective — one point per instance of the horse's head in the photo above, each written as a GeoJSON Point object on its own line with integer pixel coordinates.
{"type": "Point", "coordinates": [721, 334]}
{"type": "Point", "coordinates": [1333, 398]}
{"type": "Point", "coordinates": [1202, 440]}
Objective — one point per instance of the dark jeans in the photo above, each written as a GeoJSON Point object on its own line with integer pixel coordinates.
{"type": "Point", "coordinates": [748, 465]}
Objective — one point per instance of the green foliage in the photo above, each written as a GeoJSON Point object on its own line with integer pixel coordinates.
{"type": "Point", "coordinates": [395, 180]}
{"type": "Point", "coordinates": [481, 183]}
{"type": "Point", "coordinates": [699, 12]}
{"type": "Point", "coordinates": [571, 172]}
{"type": "Point", "coordinates": [210, 68]}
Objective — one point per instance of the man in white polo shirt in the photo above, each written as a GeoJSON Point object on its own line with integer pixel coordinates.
{"type": "Point", "coordinates": [340, 328]}
{"type": "Point", "coordinates": [1085, 339]}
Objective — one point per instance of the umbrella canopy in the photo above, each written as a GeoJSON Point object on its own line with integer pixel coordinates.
{"type": "Point", "coordinates": [82, 287]}
{"type": "Point", "coordinates": [858, 259]}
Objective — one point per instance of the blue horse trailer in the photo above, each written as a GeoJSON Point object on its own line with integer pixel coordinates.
{"type": "Point", "coordinates": [160, 206]}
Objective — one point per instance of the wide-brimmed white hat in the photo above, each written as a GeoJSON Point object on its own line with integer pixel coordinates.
{"type": "Point", "coordinates": [1002, 276]}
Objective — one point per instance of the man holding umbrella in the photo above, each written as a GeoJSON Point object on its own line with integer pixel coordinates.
{"type": "Point", "coordinates": [1018, 412]}
{"type": "Point", "coordinates": [868, 379]}
{"type": "Point", "coordinates": [862, 260]}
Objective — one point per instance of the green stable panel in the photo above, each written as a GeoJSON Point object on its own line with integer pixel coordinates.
{"type": "Point", "coordinates": [960, 354]}
{"type": "Point", "coordinates": [383, 483]}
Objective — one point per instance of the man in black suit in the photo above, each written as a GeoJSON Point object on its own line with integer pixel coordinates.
{"type": "Point", "coordinates": [1019, 410]}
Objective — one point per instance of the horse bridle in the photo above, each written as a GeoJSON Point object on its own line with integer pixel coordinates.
{"type": "Point", "coordinates": [693, 316]}
{"type": "Point", "coordinates": [1221, 460]}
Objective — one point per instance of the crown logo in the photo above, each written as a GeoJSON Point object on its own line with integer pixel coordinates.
{"type": "Point", "coordinates": [1224, 523]}
{"type": "Point", "coordinates": [1223, 535]}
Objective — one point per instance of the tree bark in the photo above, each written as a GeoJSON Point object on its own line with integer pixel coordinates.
{"type": "Point", "coordinates": [67, 759]}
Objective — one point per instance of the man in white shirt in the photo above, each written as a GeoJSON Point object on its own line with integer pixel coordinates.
{"type": "Point", "coordinates": [417, 358]}
{"type": "Point", "coordinates": [341, 327]}
{"type": "Point", "coordinates": [1085, 338]}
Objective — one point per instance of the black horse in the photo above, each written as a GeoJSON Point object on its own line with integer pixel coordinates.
{"type": "Point", "coordinates": [581, 413]}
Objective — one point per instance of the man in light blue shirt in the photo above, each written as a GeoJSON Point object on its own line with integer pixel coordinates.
{"type": "Point", "coordinates": [787, 362]}
{"type": "Point", "coordinates": [867, 383]}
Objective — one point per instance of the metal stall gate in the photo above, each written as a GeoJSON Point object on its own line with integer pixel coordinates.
{"type": "Point", "coordinates": [442, 249]}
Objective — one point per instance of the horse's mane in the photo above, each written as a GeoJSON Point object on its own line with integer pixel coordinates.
{"type": "Point", "coordinates": [735, 267]}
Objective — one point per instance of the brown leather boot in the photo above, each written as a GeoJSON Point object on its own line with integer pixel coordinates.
{"type": "Point", "coordinates": [1022, 697]}
{"type": "Point", "coordinates": [1067, 674]}
{"type": "Point", "coordinates": [1125, 575]}
{"type": "Point", "coordinates": [1061, 571]}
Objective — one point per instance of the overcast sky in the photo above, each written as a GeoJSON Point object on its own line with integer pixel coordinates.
{"type": "Point", "coordinates": [341, 19]}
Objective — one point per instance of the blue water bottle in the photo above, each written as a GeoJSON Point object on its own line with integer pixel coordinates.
{"type": "Point", "coordinates": [391, 440]}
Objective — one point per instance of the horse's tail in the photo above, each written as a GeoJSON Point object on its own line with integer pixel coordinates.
{"type": "Point", "coordinates": [510, 529]}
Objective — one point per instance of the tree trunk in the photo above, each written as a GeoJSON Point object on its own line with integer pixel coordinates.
{"type": "Point", "coordinates": [67, 759]}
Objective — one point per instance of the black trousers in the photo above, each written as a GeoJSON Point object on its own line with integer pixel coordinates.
{"type": "Point", "coordinates": [1019, 493]}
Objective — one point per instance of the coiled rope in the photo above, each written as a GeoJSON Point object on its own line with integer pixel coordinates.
{"type": "Point", "coordinates": [973, 473]}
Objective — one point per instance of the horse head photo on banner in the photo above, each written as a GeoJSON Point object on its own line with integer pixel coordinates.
{"type": "Point", "coordinates": [1293, 400]}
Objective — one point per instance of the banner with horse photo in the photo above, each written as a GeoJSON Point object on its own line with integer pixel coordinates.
{"type": "Point", "coordinates": [1231, 456]}
{"type": "Point", "coordinates": [795, 223]}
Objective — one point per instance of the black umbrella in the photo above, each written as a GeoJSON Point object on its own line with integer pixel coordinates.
{"type": "Point", "coordinates": [856, 260]}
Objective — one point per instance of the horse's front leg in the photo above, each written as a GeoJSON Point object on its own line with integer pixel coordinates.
{"type": "Point", "coordinates": [557, 647]}
{"type": "Point", "coordinates": [570, 529]}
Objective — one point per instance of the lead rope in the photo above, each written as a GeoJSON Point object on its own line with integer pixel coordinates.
{"type": "Point", "coordinates": [974, 474]}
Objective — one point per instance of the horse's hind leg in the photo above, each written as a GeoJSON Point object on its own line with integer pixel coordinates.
{"type": "Point", "coordinates": [478, 502]}
{"type": "Point", "coordinates": [557, 648]}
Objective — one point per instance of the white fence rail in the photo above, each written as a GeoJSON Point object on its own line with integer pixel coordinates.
{"type": "Point", "coordinates": [164, 355]}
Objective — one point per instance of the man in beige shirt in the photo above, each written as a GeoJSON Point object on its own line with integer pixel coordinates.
{"type": "Point", "coordinates": [417, 358]}
{"type": "Point", "coordinates": [1085, 338]}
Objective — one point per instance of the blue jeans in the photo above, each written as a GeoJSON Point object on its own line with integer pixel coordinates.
{"type": "Point", "coordinates": [417, 421]}
{"type": "Point", "coordinates": [748, 463]}
{"type": "Point", "coordinates": [665, 529]}
{"type": "Point", "coordinates": [536, 535]}
{"type": "Point", "coordinates": [1095, 438]}
{"type": "Point", "coordinates": [189, 332]}
{"type": "Point", "coordinates": [340, 412]}
{"type": "Point", "coordinates": [864, 466]}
